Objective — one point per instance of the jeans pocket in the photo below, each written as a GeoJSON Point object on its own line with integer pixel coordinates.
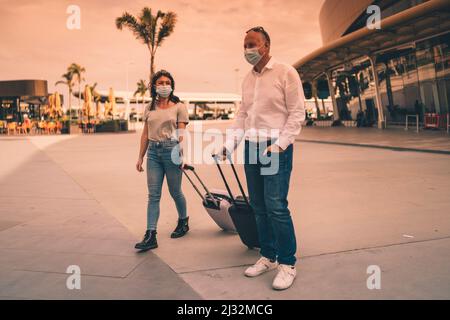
{"type": "Point", "coordinates": [172, 155]}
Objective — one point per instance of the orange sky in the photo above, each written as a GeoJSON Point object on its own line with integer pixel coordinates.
{"type": "Point", "coordinates": [202, 53]}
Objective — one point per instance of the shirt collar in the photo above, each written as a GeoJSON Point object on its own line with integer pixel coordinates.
{"type": "Point", "coordinates": [269, 65]}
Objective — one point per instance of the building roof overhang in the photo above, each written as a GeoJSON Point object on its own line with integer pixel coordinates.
{"type": "Point", "coordinates": [419, 22]}
{"type": "Point", "coordinates": [21, 88]}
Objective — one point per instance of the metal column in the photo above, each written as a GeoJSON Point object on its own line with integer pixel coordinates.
{"type": "Point", "coordinates": [333, 96]}
{"type": "Point", "coordinates": [381, 120]}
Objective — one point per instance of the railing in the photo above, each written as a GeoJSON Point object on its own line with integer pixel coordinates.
{"type": "Point", "coordinates": [323, 123]}
{"type": "Point", "coordinates": [349, 123]}
{"type": "Point", "coordinates": [448, 122]}
{"type": "Point", "coordinates": [407, 121]}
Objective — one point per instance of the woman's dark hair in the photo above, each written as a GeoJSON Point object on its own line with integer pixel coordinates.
{"type": "Point", "coordinates": [154, 95]}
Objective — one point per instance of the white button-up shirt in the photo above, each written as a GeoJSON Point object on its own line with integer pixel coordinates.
{"type": "Point", "coordinates": [273, 107]}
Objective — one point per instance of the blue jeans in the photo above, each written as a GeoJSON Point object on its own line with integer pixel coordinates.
{"type": "Point", "coordinates": [268, 185]}
{"type": "Point", "coordinates": [163, 159]}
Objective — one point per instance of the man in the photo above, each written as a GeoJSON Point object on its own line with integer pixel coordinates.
{"type": "Point", "coordinates": [269, 118]}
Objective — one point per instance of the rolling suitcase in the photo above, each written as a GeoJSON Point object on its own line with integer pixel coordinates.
{"type": "Point", "coordinates": [216, 203]}
{"type": "Point", "coordinates": [241, 212]}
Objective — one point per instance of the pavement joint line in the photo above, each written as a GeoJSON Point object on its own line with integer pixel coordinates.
{"type": "Point", "coordinates": [362, 145]}
{"type": "Point", "coordinates": [67, 252]}
{"type": "Point", "coordinates": [77, 183]}
{"type": "Point", "coordinates": [46, 198]}
{"type": "Point", "coordinates": [64, 273]}
{"type": "Point", "coordinates": [140, 263]}
{"type": "Point", "coordinates": [378, 247]}
{"type": "Point", "coordinates": [327, 253]}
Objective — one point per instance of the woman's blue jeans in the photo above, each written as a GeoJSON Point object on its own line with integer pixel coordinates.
{"type": "Point", "coordinates": [268, 185]}
{"type": "Point", "coordinates": [163, 159]}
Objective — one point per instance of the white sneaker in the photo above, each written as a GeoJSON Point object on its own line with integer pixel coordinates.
{"type": "Point", "coordinates": [285, 277]}
{"type": "Point", "coordinates": [261, 266]}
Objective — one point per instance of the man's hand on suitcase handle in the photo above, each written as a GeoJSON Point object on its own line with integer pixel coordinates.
{"type": "Point", "coordinates": [222, 155]}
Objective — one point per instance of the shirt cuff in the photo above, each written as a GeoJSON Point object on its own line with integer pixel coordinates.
{"type": "Point", "coordinates": [283, 142]}
{"type": "Point", "coordinates": [230, 145]}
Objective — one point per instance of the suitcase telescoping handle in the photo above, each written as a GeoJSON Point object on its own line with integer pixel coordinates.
{"type": "Point", "coordinates": [191, 168]}
{"type": "Point", "coordinates": [225, 180]}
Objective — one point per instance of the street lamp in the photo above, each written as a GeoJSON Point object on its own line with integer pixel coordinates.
{"type": "Point", "coordinates": [237, 80]}
{"type": "Point", "coordinates": [127, 97]}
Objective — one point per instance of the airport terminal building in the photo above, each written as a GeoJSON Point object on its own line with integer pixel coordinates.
{"type": "Point", "coordinates": [384, 74]}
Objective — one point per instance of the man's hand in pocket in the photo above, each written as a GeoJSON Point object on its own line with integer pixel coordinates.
{"type": "Point", "coordinates": [273, 148]}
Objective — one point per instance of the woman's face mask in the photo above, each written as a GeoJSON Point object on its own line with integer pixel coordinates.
{"type": "Point", "coordinates": [252, 55]}
{"type": "Point", "coordinates": [164, 91]}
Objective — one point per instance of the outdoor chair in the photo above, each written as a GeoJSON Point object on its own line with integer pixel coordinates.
{"type": "Point", "coordinates": [2, 127]}
{"type": "Point", "coordinates": [21, 128]}
{"type": "Point", "coordinates": [59, 126]}
{"type": "Point", "coordinates": [41, 127]}
{"type": "Point", "coordinates": [51, 128]}
{"type": "Point", "coordinates": [12, 127]}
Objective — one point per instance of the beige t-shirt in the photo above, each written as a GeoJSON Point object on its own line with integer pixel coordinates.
{"type": "Point", "coordinates": [162, 123]}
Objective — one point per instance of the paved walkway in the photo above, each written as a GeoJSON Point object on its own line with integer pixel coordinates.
{"type": "Point", "coordinates": [78, 200]}
{"type": "Point", "coordinates": [49, 222]}
{"type": "Point", "coordinates": [393, 138]}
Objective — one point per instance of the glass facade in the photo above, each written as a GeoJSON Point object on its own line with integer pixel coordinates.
{"type": "Point", "coordinates": [411, 81]}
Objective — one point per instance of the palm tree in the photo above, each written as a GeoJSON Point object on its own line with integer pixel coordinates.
{"type": "Point", "coordinates": [69, 82]}
{"type": "Point", "coordinates": [97, 97]}
{"type": "Point", "coordinates": [141, 89]}
{"type": "Point", "coordinates": [77, 71]}
{"type": "Point", "coordinates": [150, 29]}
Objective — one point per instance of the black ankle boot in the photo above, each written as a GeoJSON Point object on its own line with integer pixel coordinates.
{"type": "Point", "coordinates": [149, 241]}
{"type": "Point", "coordinates": [181, 229]}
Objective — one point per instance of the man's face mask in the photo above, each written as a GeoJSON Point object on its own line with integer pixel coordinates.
{"type": "Point", "coordinates": [164, 91]}
{"type": "Point", "coordinates": [252, 55]}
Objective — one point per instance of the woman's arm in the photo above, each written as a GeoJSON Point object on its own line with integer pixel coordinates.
{"type": "Point", "coordinates": [143, 148]}
{"type": "Point", "coordinates": [181, 127]}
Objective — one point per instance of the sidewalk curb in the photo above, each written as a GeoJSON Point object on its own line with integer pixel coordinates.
{"type": "Point", "coordinates": [362, 145]}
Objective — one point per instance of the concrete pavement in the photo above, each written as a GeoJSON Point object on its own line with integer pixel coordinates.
{"type": "Point", "coordinates": [352, 207]}
{"type": "Point", "coordinates": [49, 222]}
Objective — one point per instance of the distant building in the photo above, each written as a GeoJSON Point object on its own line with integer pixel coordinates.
{"type": "Point", "coordinates": [402, 68]}
{"type": "Point", "coordinates": [22, 96]}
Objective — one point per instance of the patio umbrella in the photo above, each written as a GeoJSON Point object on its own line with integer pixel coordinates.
{"type": "Point", "coordinates": [112, 102]}
{"type": "Point", "coordinates": [57, 104]}
{"type": "Point", "coordinates": [87, 106]}
{"type": "Point", "coordinates": [106, 109]}
{"type": "Point", "coordinates": [50, 108]}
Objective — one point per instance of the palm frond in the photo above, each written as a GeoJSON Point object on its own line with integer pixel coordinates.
{"type": "Point", "coordinates": [137, 27]}
{"type": "Point", "coordinates": [167, 27]}
{"type": "Point", "coordinates": [141, 88]}
{"type": "Point", "coordinates": [125, 20]}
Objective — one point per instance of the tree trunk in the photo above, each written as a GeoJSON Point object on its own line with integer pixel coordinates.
{"type": "Point", "coordinates": [70, 104]}
{"type": "Point", "coordinates": [152, 66]}
{"type": "Point", "coordinates": [79, 100]}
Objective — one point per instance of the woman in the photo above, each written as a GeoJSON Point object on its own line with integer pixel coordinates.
{"type": "Point", "coordinates": [165, 120]}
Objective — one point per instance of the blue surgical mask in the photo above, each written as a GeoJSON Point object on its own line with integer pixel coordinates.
{"type": "Point", "coordinates": [252, 55]}
{"type": "Point", "coordinates": [164, 91]}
